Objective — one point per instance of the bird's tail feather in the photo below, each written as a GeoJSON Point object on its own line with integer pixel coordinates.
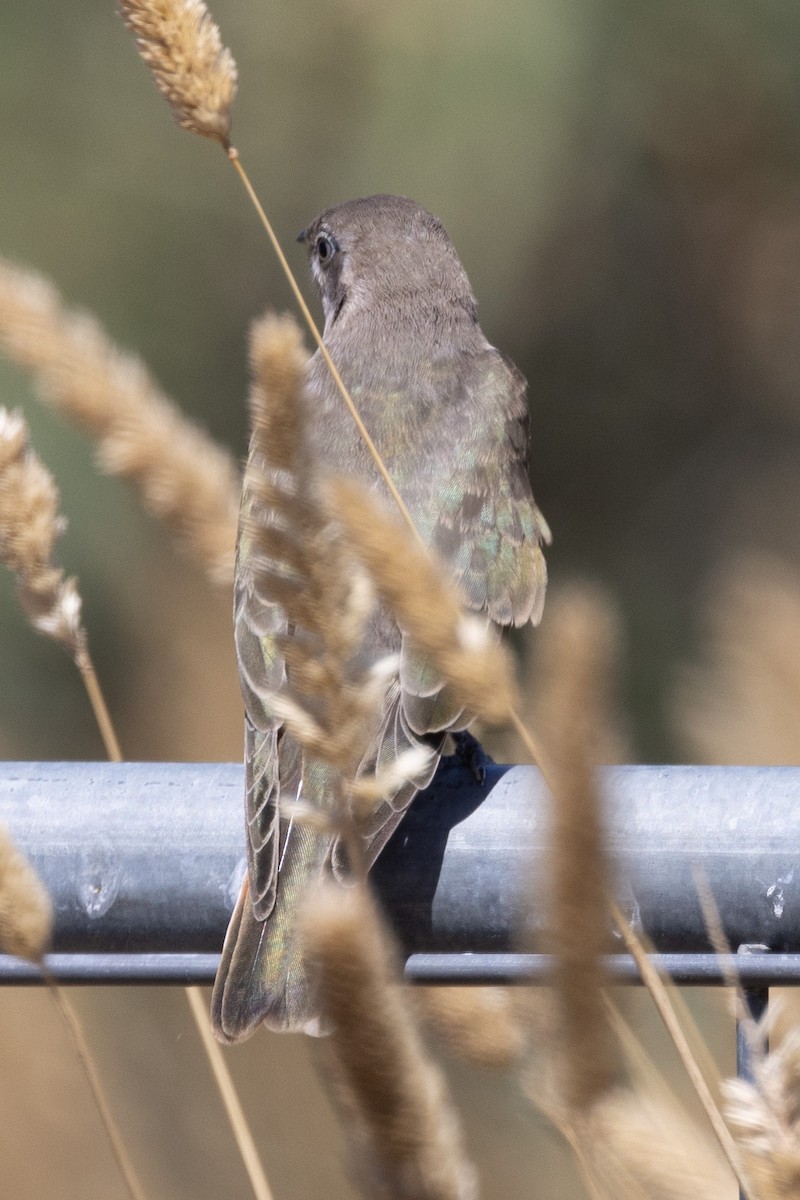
{"type": "Point", "coordinates": [262, 975]}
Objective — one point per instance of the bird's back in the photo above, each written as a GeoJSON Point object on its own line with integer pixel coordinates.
{"type": "Point", "coordinates": [448, 413]}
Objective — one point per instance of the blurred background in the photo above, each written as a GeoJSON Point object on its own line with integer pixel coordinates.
{"type": "Point", "coordinates": [622, 182]}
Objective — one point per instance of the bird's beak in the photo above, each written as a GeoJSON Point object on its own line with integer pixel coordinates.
{"type": "Point", "coordinates": [301, 237]}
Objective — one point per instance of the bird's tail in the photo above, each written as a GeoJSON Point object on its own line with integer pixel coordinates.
{"type": "Point", "coordinates": [262, 976]}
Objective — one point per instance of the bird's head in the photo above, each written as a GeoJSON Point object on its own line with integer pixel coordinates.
{"type": "Point", "coordinates": [385, 255]}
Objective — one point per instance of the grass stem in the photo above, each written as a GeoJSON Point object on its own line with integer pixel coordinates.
{"type": "Point", "coordinates": [84, 1054]}
{"type": "Point", "coordinates": [230, 1099]}
{"type": "Point", "coordinates": [83, 662]}
{"type": "Point", "coordinates": [657, 989]}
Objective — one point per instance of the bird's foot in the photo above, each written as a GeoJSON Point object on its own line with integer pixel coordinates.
{"type": "Point", "coordinates": [471, 753]}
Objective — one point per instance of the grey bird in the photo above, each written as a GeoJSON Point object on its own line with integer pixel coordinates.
{"type": "Point", "coordinates": [448, 413]}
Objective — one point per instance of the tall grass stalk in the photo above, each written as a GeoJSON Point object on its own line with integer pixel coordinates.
{"type": "Point", "coordinates": [229, 1096]}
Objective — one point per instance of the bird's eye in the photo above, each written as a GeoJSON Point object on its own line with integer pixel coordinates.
{"type": "Point", "coordinates": [326, 247]}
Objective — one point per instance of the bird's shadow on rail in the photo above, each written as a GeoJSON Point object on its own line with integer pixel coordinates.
{"type": "Point", "coordinates": [406, 875]}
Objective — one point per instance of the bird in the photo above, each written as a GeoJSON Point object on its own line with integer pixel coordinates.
{"type": "Point", "coordinates": [449, 415]}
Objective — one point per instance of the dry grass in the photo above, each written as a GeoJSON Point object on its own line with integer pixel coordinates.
{"type": "Point", "coordinates": [291, 556]}
{"type": "Point", "coordinates": [575, 670]}
{"type": "Point", "coordinates": [30, 526]}
{"type": "Point", "coordinates": [229, 1097]}
{"type": "Point", "coordinates": [407, 1140]}
{"type": "Point", "coordinates": [179, 474]}
{"type": "Point", "coordinates": [403, 1129]}
{"type": "Point", "coordinates": [628, 1141]}
{"type": "Point", "coordinates": [74, 1028]}
{"type": "Point", "coordinates": [195, 73]}
{"type": "Point", "coordinates": [643, 1149]}
{"type": "Point", "coordinates": [407, 1135]}
{"type": "Point", "coordinates": [464, 647]}
{"type": "Point", "coordinates": [741, 703]}
{"type": "Point", "coordinates": [479, 1024]}
{"type": "Point", "coordinates": [26, 914]}
{"type": "Point", "coordinates": [765, 1118]}
{"type": "Point", "coordinates": [26, 928]}
{"type": "Point", "coordinates": [182, 45]}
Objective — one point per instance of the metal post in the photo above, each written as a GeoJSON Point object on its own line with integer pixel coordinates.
{"type": "Point", "coordinates": [756, 999]}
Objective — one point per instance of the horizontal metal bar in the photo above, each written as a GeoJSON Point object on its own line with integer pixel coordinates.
{"type": "Point", "coordinates": [146, 858]}
{"type": "Point", "coordinates": [689, 970]}
{"type": "Point", "coordinates": [186, 969]}
{"type": "Point", "coordinates": [137, 857]}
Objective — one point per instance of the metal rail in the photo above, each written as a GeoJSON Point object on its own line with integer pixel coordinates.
{"type": "Point", "coordinates": [688, 970]}
{"type": "Point", "coordinates": [143, 861]}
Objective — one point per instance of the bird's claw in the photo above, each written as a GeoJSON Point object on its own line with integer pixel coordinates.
{"type": "Point", "coordinates": [471, 753]}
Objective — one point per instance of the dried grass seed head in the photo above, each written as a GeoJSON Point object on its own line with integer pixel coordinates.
{"type": "Point", "coordinates": [30, 526]}
{"type": "Point", "coordinates": [578, 649]}
{"type": "Point", "coordinates": [196, 74]}
{"type": "Point", "coordinates": [181, 476]}
{"type": "Point", "coordinates": [478, 1023]}
{"type": "Point", "coordinates": [387, 780]}
{"type": "Point", "coordinates": [640, 1147]}
{"type": "Point", "coordinates": [741, 702]}
{"type": "Point", "coordinates": [278, 359]}
{"type": "Point", "coordinates": [577, 653]}
{"type": "Point", "coordinates": [764, 1117]}
{"type": "Point", "coordinates": [400, 1115]}
{"type": "Point", "coordinates": [26, 914]}
{"type": "Point", "coordinates": [293, 556]}
{"type": "Point", "coordinates": [13, 437]}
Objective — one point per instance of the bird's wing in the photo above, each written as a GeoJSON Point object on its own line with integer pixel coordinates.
{"type": "Point", "coordinates": [273, 760]}
{"type": "Point", "coordinates": [483, 521]}
{"type": "Point", "coordinates": [394, 735]}
{"type": "Point", "coordinates": [470, 495]}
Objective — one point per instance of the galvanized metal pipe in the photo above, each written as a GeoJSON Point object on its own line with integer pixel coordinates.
{"type": "Point", "coordinates": [146, 858]}
{"type": "Point", "coordinates": [688, 970]}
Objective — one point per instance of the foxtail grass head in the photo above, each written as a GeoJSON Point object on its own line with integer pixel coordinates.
{"type": "Point", "coordinates": [404, 1135]}
{"type": "Point", "coordinates": [181, 476]}
{"type": "Point", "coordinates": [575, 667]}
{"type": "Point", "coordinates": [425, 603]}
{"type": "Point", "coordinates": [30, 526]}
{"type": "Point", "coordinates": [764, 1118]}
{"type": "Point", "coordinates": [26, 914]}
{"type": "Point", "coordinates": [196, 74]}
